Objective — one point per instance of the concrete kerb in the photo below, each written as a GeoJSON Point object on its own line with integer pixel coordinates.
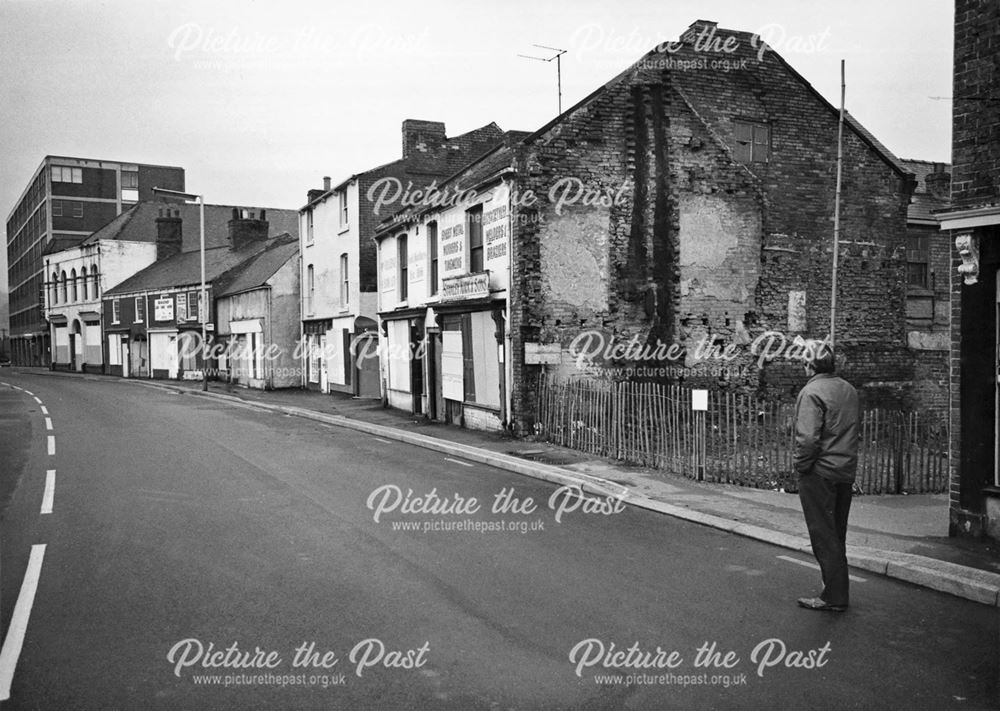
{"type": "Point", "coordinates": [918, 570]}
{"type": "Point", "coordinates": [912, 571]}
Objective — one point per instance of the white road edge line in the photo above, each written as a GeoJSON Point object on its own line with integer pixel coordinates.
{"type": "Point", "coordinates": [45, 410]}
{"type": "Point", "coordinates": [38, 399]}
{"type": "Point", "coordinates": [48, 423]}
{"type": "Point", "coordinates": [14, 640]}
{"type": "Point", "coordinates": [52, 445]}
{"type": "Point", "coordinates": [28, 392]}
{"type": "Point", "coordinates": [807, 564]}
{"type": "Point", "coordinates": [458, 461]}
{"type": "Point", "coordinates": [50, 491]}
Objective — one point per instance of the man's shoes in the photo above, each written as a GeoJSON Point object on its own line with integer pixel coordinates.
{"type": "Point", "coordinates": [818, 603]}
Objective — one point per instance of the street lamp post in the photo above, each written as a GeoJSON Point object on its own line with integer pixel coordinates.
{"type": "Point", "coordinates": [203, 301]}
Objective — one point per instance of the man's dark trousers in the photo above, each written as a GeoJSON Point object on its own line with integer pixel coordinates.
{"type": "Point", "coordinates": [826, 505]}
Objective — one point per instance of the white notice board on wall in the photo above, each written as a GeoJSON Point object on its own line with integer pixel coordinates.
{"type": "Point", "coordinates": [452, 366]}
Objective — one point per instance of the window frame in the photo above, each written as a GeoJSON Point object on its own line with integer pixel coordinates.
{"type": "Point", "coordinates": [746, 149]}
{"type": "Point", "coordinates": [342, 209]}
{"type": "Point", "coordinates": [474, 227]}
{"type": "Point", "coordinates": [403, 266]}
{"type": "Point", "coordinates": [433, 252]}
{"type": "Point", "coordinates": [116, 311]}
{"type": "Point", "coordinates": [139, 304]}
{"type": "Point", "coordinates": [345, 280]}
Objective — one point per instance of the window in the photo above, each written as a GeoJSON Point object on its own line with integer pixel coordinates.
{"type": "Point", "coordinates": [72, 279]}
{"type": "Point", "coordinates": [83, 283]}
{"type": "Point", "coordinates": [917, 259]}
{"type": "Point", "coordinates": [345, 282]}
{"type": "Point", "coordinates": [54, 289]}
{"type": "Point", "coordinates": [432, 247]}
{"type": "Point", "coordinates": [309, 226]}
{"type": "Point", "coordinates": [96, 294]}
{"type": "Point", "coordinates": [474, 220]}
{"type": "Point", "coordinates": [57, 208]}
{"type": "Point", "coordinates": [116, 311]}
{"type": "Point", "coordinates": [182, 307]}
{"type": "Point", "coordinates": [130, 179]}
{"type": "Point", "coordinates": [63, 297]}
{"type": "Point", "coordinates": [342, 197]}
{"type": "Point", "coordinates": [66, 174]}
{"type": "Point", "coordinates": [140, 309]}
{"type": "Point", "coordinates": [753, 142]}
{"type": "Point", "coordinates": [403, 267]}
{"type": "Point", "coordinates": [310, 287]}
{"type": "Point", "coordinates": [192, 306]}
{"type": "Point", "coordinates": [77, 209]}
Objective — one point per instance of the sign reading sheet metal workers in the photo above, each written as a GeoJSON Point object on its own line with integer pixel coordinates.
{"type": "Point", "coordinates": [163, 308]}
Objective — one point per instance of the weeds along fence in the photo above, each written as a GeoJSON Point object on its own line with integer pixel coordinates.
{"type": "Point", "coordinates": [739, 439]}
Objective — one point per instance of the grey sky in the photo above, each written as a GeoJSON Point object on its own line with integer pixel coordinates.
{"type": "Point", "coordinates": [259, 100]}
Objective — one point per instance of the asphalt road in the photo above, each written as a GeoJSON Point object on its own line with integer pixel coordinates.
{"type": "Point", "coordinates": [201, 555]}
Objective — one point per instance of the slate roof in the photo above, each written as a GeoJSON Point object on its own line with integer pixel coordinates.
{"type": "Point", "coordinates": [470, 177]}
{"type": "Point", "coordinates": [255, 271]}
{"type": "Point", "coordinates": [138, 224]}
{"type": "Point", "coordinates": [184, 269]}
{"type": "Point", "coordinates": [923, 204]}
{"type": "Point", "coordinates": [442, 162]}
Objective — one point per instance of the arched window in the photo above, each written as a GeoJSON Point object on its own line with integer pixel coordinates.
{"type": "Point", "coordinates": [54, 288]}
{"type": "Point", "coordinates": [83, 283]}
{"type": "Point", "coordinates": [95, 293]}
{"type": "Point", "coordinates": [62, 287]}
{"type": "Point", "coordinates": [72, 278]}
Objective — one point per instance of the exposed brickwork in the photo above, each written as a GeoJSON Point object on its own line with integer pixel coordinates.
{"type": "Point", "coordinates": [661, 143]}
{"type": "Point", "coordinates": [975, 183]}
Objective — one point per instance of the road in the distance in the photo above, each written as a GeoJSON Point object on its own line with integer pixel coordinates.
{"type": "Point", "coordinates": [180, 522]}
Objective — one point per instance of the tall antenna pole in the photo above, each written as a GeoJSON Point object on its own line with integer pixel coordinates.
{"type": "Point", "coordinates": [557, 57]}
{"type": "Point", "coordinates": [836, 211]}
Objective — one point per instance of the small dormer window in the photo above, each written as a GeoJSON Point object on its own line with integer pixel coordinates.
{"type": "Point", "coordinates": [753, 142]}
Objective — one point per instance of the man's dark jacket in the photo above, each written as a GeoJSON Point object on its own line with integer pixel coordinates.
{"type": "Point", "coordinates": [827, 428]}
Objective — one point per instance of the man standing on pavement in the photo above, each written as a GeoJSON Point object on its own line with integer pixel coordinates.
{"type": "Point", "coordinates": [826, 462]}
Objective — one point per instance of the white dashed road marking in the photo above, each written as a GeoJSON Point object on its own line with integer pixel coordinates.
{"type": "Point", "coordinates": [52, 445]}
{"type": "Point", "coordinates": [464, 464]}
{"type": "Point", "coordinates": [14, 640]}
{"type": "Point", "coordinates": [45, 410]}
{"type": "Point", "coordinates": [48, 423]}
{"type": "Point", "coordinates": [807, 564]}
{"type": "Point", "coordinates": [50, 491]}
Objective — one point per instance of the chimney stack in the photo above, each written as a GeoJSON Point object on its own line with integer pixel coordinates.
{"type": "Point", "coordinates": [939, 183]}
{"type": "Point", "coordinates": [326, 183]}
{"type": "Point", "coordinates": [169, 233]}
{"type": "Point", "coordinates": [247, 228]}
{"type": "Point", "coordinates": [422, 136]}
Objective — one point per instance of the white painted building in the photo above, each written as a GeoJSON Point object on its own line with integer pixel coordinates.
{"type": "Point", "coordinates": [337, 314]}
{"type": "Point", "coordinates": [444, 279]}
{"type": "Point", "coordinates": [75, 280]}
